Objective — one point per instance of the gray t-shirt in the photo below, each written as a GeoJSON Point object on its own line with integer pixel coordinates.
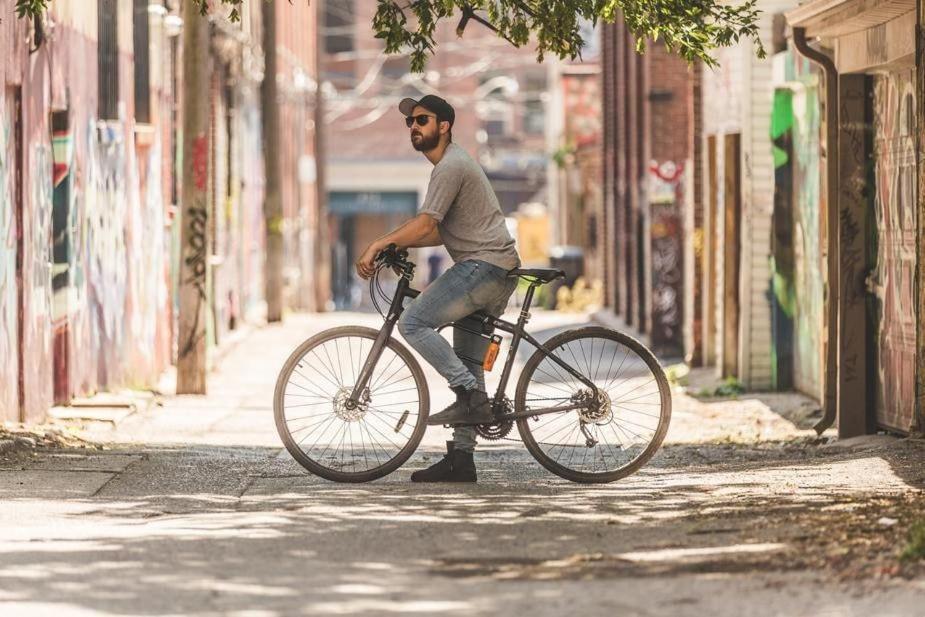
{"type": "Point", "coordinates": [467, 211]}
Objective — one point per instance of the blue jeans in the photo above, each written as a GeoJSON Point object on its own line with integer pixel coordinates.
{"type": "Point", "coordinates": [466, 287]}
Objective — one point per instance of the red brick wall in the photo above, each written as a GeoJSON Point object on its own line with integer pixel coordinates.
{"type": "Point", "coordinates": [647, 121]}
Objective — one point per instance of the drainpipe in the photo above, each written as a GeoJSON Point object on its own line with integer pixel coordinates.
{"type": "Point", "coordinates": [831, 196]}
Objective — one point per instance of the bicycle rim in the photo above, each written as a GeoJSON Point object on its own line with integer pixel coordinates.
{"type": "Point", "coordinates": [625, 428]}
{"type": "Point", "coordinates": [327, 437]}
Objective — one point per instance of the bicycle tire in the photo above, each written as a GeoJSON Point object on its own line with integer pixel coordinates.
{"type": "Point", "coordinates": [619, 338]}
{"type": "Point", "coordinates": [297, 451]}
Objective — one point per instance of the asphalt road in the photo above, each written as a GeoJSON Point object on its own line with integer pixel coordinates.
{"type": "Point", "coordinates": [194, 508]}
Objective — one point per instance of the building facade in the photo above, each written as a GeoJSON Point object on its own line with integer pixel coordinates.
{"type": "Point", "coordinates": [872, 117]}
{"type": "Point", "coordinates": [89, 194]}
{"type": "Point", "coordinates": [647, 172]}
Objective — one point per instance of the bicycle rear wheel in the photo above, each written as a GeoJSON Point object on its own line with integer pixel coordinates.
{"type": "Point", "coordinates": [616, 434]}
{"type": "Point", "coordinates": [327, 437]}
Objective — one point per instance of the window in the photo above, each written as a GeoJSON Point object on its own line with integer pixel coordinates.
{"type": "Point", "coordinates": [108, 59]}
{"type": "Point", "coordinates": [534, 118]}
{"type": "Point", "coordinates": [495, 127]}
{"type": "Point", "coordinates": [338, 26]}
{"type": "Point", "coordinates": [142, 62]}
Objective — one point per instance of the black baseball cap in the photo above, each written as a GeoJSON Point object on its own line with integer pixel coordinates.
{"type": "Point", "coordinates": [431, 102]}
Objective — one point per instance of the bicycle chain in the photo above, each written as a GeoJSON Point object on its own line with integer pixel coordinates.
{"type": "Point", "coordinates": [514, 439]}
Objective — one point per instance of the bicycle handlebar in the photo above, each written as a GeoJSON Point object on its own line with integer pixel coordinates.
{"type": "Point", "coordinates": [392, 256]}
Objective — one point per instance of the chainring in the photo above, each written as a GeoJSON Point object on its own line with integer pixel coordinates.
{"type": "Point", "coordinates": [497, 430]}
{"type": "Point", "coordinates": [494, 431]}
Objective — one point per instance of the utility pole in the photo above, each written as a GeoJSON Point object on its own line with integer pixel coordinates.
{"type": "Point", "coordinates": [272, 204]}
{"type": "Point", "coordinates": [322, 244]}
{"type": "Point", "coordinates": [194, 218]}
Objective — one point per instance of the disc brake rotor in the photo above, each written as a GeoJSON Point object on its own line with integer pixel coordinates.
{"type": "Point", "coordinates": [347, 412]}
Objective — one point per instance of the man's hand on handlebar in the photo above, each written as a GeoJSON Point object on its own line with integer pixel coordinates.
{"type": "Point", "coordinates": [366, 264]}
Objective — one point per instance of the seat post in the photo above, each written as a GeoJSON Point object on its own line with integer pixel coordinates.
{"type": "Point", "coordinates": [528, 300]}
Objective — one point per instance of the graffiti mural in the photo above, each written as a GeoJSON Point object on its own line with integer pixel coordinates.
{"type": "Point", "coordinates": [146, 294]}
{"type": "Point", "coordinates": [798, 264]}
{"type": "Point", "coordinates": [62, 206]}
{"type": "Point", "coordinates": [105, 249]}
{"type": "Point", "coordinates": [893, 277]}
{"type": "Point", "coordinates": [783, 308]}
{"type": "Point", "coordinates": [809, 265]}
{"type": "Point", "coordinates": [36, 329]}
{"type": "Point", "coordinates": [666, 182]}
{"type": "Point", "coordinates": [9, 368]}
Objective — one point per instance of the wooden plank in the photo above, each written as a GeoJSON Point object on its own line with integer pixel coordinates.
{"type": "Point", "coordinates": [920, 223]}
{"type": "Point", "coordinates": [732, 216]}
{"type": "Point", "coordinates": [710, 246]}
{"type": "Point", "coordinates": [852, 396]}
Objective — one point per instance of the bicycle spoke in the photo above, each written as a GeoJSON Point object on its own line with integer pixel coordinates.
{"type": "Point", "coordinates": [323, 427]}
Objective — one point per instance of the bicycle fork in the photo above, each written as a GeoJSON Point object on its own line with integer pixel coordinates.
{"type": "Point", "coordinates": [366, 373]}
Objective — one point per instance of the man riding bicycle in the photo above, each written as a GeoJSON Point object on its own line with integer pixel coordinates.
{"type": "Point", "coordinates": [461, 212]}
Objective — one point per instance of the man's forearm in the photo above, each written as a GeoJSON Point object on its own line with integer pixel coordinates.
{"type": "Point", "coordinates": [419, 231]}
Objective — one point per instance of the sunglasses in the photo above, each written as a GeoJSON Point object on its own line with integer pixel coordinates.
{"type": "Point", "coordinates": [421, 119]}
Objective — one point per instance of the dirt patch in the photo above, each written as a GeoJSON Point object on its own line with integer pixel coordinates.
{"type": "Point", "coordinates": [16, 440]}
{"type": "Point", "coordinates": [663, 561]}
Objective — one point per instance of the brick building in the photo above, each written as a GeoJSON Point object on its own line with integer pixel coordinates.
{"type": "Point", "coordinates": [648, 160]}
{"type": "Point", "coordinates": [89, 191]}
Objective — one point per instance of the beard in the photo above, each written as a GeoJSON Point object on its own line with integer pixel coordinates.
{"type": "Point", "coordinates": [425, 143]}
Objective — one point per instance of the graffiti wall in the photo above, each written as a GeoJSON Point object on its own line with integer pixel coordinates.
{"type": "Point", "coordinates": [62, 248]}
{"type": "Point", "coordinates": [798, 264]}
{"type": "Point", "coordinates": [95, 244]}
{"type": "Point", "coordinates": [36, 321]}
{"type": "Point", "coordinates": [110, 256]}
{"type": "Point", "coordinates": [782, 224]}
{"type": "Point", "coordinates": [893, 276]}
{"type": "Point", "coordinates": [809, 264]}
{"type": "Point", "coordinates": [665, 194]}
{"type": "Point", "coordinates": [9, 343]}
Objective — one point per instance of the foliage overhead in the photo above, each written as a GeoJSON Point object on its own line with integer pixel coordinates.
{"type": "Point", "coordinates": [690, 28]}
{"type": "Point", "coordinates": [693, 29]}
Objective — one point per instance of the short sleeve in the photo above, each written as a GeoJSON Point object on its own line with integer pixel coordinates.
{"type": "Point", "coordinates": [444, 185]}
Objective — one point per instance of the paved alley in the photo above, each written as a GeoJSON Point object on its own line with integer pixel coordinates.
{"type": "Point", "coordinates": [194, 508]}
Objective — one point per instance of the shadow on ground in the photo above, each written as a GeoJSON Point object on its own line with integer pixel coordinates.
{"type": "Point", "coordinates": [213, 530]}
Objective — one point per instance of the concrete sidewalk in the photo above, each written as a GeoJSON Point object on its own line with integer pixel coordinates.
{"type": "Point", "coordinates": [195, 509]}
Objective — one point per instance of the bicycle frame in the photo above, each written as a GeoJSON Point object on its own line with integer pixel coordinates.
{"type": "Point", "coordinates": [517, 331]}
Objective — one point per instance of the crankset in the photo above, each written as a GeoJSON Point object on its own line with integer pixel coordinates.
{"type": "Point", "coordinates": [498, 430]}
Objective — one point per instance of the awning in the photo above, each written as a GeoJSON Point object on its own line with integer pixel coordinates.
{"type": "Point", "coordinates": [867, 35]}
{"type": "Point", "coordinates": [373, 202]}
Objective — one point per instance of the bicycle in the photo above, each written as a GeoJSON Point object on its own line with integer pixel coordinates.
{"type": "Point", "coordinates": [363, 411]}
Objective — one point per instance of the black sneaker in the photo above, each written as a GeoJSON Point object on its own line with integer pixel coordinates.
{"type": "Point", "coordinates": [456, 466]}
{"type": "Point", "coordinates": [471, 407]}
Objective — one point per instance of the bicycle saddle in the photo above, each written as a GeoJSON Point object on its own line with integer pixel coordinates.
{"type": "Point", "coordinates": [542, 274]}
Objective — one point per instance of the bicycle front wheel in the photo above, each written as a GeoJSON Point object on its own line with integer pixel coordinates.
{"type": "Point", "coordinates": [609, 437]}
{"type": "Point", "coordinates": [328, 437]}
